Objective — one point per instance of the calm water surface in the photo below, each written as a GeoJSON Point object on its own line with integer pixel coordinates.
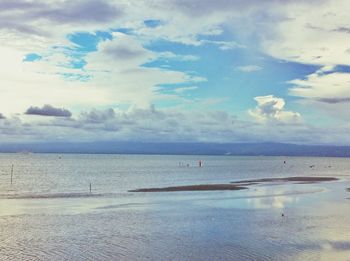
{"type": "Point", "coordinates": [48, 212]}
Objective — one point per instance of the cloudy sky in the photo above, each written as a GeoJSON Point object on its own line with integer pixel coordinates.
{"type": "Point", "coordinates": [175, 70]}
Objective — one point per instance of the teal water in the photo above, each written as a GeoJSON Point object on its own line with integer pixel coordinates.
{"type": "Point", "coordinates": [48, 212]}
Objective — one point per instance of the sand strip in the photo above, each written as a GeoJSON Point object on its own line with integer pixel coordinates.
{"type": "Point", "coordinates": [288, 179]}
{"type": "Point", "coordinates": [54, 195]}
{"type": "Point", "coordinates": [205, 187]}
{"type": "Point", "coordinates": [237, 185]}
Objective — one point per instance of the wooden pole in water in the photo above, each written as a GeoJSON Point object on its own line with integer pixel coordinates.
{"type": "Point", "coordinates": [11, 173]}
{"type": "Point", "coordinates": [90, 187]}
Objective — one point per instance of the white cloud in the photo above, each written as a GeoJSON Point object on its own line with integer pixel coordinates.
{"type": "Point", "coordinates": [115, 71]}
{"type": "Point", "coordinates": [137, 124]}
{"type": "Point", "coordinates": [330, 88]}
{"type": "Point", "coordinates": [169, 125]}
{"type": "Point", "coordinates": [326, 92]}
{"type": "Point", "coordinates": [123, 52]}
{"type": "Point", "coordinates": [312, 35]}
{"type": "Point", "coordinates": [225, 46]}
{"type": "Point", "coordinates": [23, 85]}
{"type": "Point", "coordinates": [181, 90]}
{"type": "Point", "coordinates": [117, 67]}
{"type": "Point", "coordinates": [248, 68]}
{"type": "Point", "coordinates": [178, 57]}
{"type": "Point", "coordinates": [271, 109]}
{"type": "Point", "coordinates": [115, 75]}
{"type": "Point", "coordinates": [316, 36]}
{"type": "Point", "coordinates": [289, 30]}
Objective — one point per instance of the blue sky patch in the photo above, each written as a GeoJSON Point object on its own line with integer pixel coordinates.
{"type": "Point", "coordinates": [87, 42]}
{"type": "Point", "coordinates": [152, 23]}
{"type": "Point", "coordinates": [32, 57]}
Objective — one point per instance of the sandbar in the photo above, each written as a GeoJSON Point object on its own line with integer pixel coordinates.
{"type": "Point", "coordinates": [236, 185]}
{"type": "Point", "coordinates": [202, 187]}
{"type": "Point", "coordinates": [287, 179]}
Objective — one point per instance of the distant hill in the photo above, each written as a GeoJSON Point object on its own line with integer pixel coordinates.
{"type": "Point", "coordinates": [245, 149]}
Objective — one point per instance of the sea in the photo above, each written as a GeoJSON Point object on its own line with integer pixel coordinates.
{"type": "Point", "coordinates": [79, 207]}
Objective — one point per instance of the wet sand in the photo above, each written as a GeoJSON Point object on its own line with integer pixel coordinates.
{"type": "Point", "coordinates": [237, 185]}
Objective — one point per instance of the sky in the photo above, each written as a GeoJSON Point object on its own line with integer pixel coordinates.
{"type": "Point", "coordinates": [222, 71]}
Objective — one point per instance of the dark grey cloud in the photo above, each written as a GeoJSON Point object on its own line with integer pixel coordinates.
{"type": "Point", "coordinates": [2, 117]}
{"type": "Point", "coordinates": [205, 7]}
{"type": "Point", "coordinates": [48, 110]}
{"type": "Point", "coordinates": [21, 28]}
{"type": "Point", "coordinates": [83, 11]}
{"type": "Point", "coordinates": [342, 30]}
{"type": "Point", "coordinates": [314, 27]}
{"type": "Point", "coordinates": [124, 52]}
{"type": "Point", "coordinates": [334, 100]}
{"type": "Point", "coordinates": [12, 5]}
{"type": "Point", "coordinates": [19, 15]}
{"type": "Point", "coordinates": [14, 13]}
{"type": "Point", "coordinates": [201, 7]}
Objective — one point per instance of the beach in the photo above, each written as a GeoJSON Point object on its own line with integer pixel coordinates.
{"type": "Point", "coordinates": [149, 208]}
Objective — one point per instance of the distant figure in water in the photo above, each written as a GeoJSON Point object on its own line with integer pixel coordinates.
{"type": "Point", "coordinates": [200, 163]}
{"type": "Point", "coordinates": [282, 215]}
{"type": "Point", "coordinates": [284, 162]}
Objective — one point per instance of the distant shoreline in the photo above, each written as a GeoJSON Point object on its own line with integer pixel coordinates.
{"type": "Point", "coordinates": [170, 154]}
{"type": "Point", "coordinates": [165, 154]}
{"type": "Point", "coordinates": [199, 149]}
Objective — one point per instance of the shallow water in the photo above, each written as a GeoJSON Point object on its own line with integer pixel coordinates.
{"type": "Point", "coordinates": [48, 212]}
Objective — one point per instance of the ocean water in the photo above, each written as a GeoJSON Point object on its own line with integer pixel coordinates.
{"type": "Point", "coordinates": [48, 212]}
